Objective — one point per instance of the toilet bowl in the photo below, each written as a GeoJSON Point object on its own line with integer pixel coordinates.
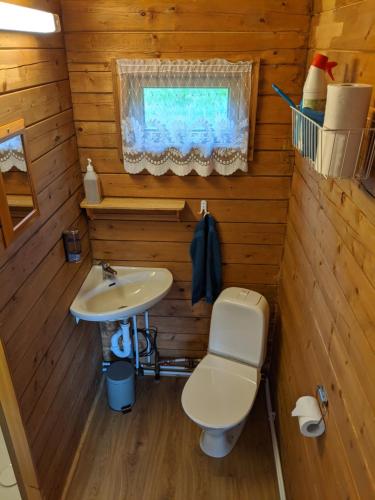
{"type": "Point", "coordinates": [221, 391]}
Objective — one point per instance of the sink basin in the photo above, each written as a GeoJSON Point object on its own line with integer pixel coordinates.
{"type": "Point", "coordinates": [133, 291]}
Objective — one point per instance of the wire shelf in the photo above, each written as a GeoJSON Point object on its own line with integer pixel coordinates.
{"type": "Point", "coordinates": [339, 153]}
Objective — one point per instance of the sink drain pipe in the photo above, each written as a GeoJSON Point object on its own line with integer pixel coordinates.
{"type": "Point", "coordinates": [124, 349]}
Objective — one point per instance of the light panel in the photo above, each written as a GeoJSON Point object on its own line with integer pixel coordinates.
{"type": "Point", "coordinates": [18, 18]}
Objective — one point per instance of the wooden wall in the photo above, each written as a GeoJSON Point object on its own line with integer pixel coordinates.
{"type": "Point", "coordinates": [53, 363]}
{"type": "Point", "coordinates": [251, 209]}
{"type": "Point", "coordinates": [327, 297]}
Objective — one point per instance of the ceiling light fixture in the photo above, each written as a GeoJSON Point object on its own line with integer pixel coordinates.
{"type": "Point", "coordinates": [18, 18]}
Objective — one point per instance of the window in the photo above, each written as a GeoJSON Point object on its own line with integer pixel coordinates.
{"type": "Point", "coordinates": [164, 105]}
{"type": "Point", "coordinates": [185, 115]}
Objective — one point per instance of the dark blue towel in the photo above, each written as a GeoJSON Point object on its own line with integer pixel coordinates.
{"type": "Point", "coordinates": [206, 258]}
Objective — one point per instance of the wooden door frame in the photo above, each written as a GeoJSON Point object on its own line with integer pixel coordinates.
{"type": "Point", "coordinates": [14, 429]}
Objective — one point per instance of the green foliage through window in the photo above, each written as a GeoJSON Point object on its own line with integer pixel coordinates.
{"type": "Point", "coordinates": [185, 104]}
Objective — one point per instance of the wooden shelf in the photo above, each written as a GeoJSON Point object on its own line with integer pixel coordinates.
{"type": "Point", "coordinates": [20, 201]}
{"type": "Point", "coordinates": [152, 205]}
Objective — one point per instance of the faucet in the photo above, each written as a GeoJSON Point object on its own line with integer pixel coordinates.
{"type": "Point", "coordinates": [108, 272]}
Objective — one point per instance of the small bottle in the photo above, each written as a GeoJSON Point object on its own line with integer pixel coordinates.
{"type": "Point", "coordinates": [91, 183]}
{"type": "Point", "coordinates": [315, 88]}
{"type": "Point", "coordinates": [72, 245]}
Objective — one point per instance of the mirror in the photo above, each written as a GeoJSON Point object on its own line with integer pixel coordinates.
{"type": "Point", "coordinates": [17, 197]}
{"type": "Point", "coordinates": [16, 180]}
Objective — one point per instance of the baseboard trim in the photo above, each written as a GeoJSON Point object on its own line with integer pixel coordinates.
{"type": "Point", "coordinates": [275, 446]}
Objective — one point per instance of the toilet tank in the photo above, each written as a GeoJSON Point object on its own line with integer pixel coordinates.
{"type": "Point", "coordinates": [239, 326]}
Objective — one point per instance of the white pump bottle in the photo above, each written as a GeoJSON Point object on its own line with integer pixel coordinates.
{"type": "Point", "coordinates": [91, 183]}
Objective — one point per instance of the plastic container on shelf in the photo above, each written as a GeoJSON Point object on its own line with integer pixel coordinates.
{"type": "Point", "coordinates": [91, 183]}
{"type": "Point", "coordinates": [315, 87]}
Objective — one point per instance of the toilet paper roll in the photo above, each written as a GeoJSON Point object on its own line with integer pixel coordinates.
{"type": "Point", "coordinates": [346, 112]}
{"type": "Point", "coordinates": [310, 419]}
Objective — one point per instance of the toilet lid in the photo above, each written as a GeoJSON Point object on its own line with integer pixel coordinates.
{"type": "Point", "coordinates": [220, 392]}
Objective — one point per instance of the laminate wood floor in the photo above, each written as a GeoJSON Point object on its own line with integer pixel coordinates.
{"type": "Point", "coordinates": [153, 453]}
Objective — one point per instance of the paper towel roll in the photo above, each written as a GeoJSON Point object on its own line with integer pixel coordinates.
{"type": "Point", "coordinates": [346, 110]}
{"type": "Point", "coordinates": [311, 423]}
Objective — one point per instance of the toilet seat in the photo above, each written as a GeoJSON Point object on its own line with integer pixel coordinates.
{"type": "Point", "coordinates": [220, 392]}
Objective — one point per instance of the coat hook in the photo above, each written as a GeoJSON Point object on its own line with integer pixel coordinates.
{"type": "Point", "coordinates": [204, 209]}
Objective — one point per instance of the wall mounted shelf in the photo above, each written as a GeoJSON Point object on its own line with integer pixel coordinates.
{"type": "Point", "coordinates": [150, 206]}
{"type": "Point", "coordinates": [335, 153]}
{"type": "Point", "coordinates": [20, 201]}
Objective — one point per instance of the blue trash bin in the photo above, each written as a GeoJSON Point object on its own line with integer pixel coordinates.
{"type": "Point", "coordinates": [121, 386]}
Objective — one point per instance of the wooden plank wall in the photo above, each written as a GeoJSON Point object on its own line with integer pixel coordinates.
{"type": "Point", "coordinates": [327, 296]}
{"type": "Point", "coordinates": [251, 209]}
{"type": "Point", "coordinates": [53, 363]}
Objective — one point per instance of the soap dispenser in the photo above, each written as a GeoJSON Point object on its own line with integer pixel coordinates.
{"type": "Point", "coordinates": [92, 184]}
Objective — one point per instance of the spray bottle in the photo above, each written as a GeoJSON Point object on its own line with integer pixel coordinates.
{"type": "Point", "coordinates": [315, 88]}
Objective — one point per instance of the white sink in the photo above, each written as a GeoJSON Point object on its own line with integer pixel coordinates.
{"type": "Point", "coordinates": [133, 291]}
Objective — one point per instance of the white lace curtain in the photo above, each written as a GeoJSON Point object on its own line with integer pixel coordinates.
{"type": "Point", "coordinates": [12, 155]}
{"type": "Point", "coordinates": [185, 115]}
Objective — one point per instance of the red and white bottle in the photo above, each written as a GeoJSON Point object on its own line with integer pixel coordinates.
{"type": "Point", "coordinates": [315, 88]}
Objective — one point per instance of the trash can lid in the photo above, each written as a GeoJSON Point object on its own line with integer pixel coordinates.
{"type": "Point", "coordinates": [120, 370]}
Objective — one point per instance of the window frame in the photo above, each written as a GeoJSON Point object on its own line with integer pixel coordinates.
{"type": "Point", "coordinates": [253, 103]}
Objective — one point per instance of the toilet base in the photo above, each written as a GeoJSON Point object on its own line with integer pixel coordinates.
{"type": "Point", "coordinates": [218, 443]}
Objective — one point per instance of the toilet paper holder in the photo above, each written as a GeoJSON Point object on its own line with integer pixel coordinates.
{"type": "Point", "coordinates": [311, 412]}
{"type": "Point", "coordinates": [322, 398]}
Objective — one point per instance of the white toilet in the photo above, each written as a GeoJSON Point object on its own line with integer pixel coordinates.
{"type": "Point", "coordinates": [221, 391]}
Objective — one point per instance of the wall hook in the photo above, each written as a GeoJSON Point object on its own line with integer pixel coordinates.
{"type": "Point", "coordinates": [204, 208]}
